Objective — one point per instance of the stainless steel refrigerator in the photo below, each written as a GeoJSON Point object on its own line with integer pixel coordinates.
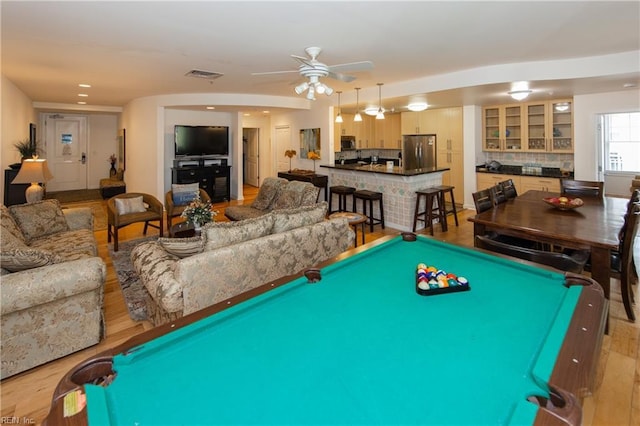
{"type": "Point", "coordinates": [418, 151]}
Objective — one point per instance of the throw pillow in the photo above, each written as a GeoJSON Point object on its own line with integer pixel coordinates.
{"type": "Point", "coordinates": [16, 260]}
{"type": "Point", "coordinates": [130, 205]}
{"type": "Point", "coordinates": [183, 194]}
{"type": "Point", "coordinates": [9, 225]}
{"type": "Point", "coordinates": [287, 199]}
{"type": "Point", "coordinates": [221, 234]}
{"type": "Point", "coordinates": [268, 192]}
{"type": "Point", "coordinates": [182, 247]}
{"type": "Point", "coordinates": [39, 219]}
{"type": "Point", "coordinates": [287, 219]}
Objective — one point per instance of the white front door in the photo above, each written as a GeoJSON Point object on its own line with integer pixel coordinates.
{"type": "Point", "coordinates": [283, 143]}
{"type": "Point", "coordinates": [66, 145]}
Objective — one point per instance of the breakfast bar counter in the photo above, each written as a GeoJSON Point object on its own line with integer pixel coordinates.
{"type": "Point", "coordinates": [397, 185]}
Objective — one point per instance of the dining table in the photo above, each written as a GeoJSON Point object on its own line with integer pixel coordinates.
{"type": "Point", "coordinates": [594, 226]}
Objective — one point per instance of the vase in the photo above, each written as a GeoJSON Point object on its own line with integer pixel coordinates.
{"type": "Point", "coordinates": [112, 170]}
{"type": "Point", "coordinates": [197, 226]}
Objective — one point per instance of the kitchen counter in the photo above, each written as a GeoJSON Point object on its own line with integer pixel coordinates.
{"type": "Point", "coordinates": [398, 188]}
{"type": "Point", "coordinates": [549, 172]}
{"type": "Point", "coordinates": [382, 168]}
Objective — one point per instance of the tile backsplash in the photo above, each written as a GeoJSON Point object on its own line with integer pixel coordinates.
{"type": "Point", "coordinates": [560, 161]}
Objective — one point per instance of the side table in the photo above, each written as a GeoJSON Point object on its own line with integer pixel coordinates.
{"type": "Point", "coordinates": [354, 220]}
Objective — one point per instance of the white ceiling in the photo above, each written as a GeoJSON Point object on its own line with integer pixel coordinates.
{"type": "Point", "coordinates": [453, 53]}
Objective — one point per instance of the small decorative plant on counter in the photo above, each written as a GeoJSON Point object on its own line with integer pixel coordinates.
{"type": "Point", "coordinates": [27, 149]}
{"type": "Point", "coordinates": [290, 153]}
{"type": "Point", "coordinates": [199, 212]}
{"type": "Point", "coordinates": [312, 155]}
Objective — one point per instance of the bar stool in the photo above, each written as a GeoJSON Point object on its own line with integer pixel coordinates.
{"type": "Point", "coordinates": [444, 190]}
{"type": "Point", "coordinates": [431, 196]}
{"type": "Point", "coordinates": [341, 191]}
{"type": "Point", "coordinates": [370, 196]}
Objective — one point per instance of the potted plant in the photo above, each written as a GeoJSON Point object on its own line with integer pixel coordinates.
{"type": "Point", "coordinates": [27, 148]}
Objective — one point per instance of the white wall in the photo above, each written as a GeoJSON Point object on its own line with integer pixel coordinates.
{"type": "Point", "coordinates": [586, 110]}
{"type": "Point", "coordinates": [17, 113]}
{"type": "Point", "coordinates": [103, 141]}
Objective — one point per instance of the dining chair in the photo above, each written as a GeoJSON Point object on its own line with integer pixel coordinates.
{"type": "Point", "coordinates": [578, 188]}
{"type": "Point", "coordinates": [483, 201]}
{"type": "Point", "coordinates": [570, 263]}
{"type": "Point", "coordinates": [497, 194]}
{"type": "Point", "coordinates": [509, 189]}
{"type": "Point", "coordinates": [622, 263]}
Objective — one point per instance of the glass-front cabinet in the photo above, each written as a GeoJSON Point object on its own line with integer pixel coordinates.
{"type": "Point", "coordinates": [545, 126]}
{"type": "Point", "coordinates": [502, 128]}
{"type": "Point", "coordinates": [562, 126]}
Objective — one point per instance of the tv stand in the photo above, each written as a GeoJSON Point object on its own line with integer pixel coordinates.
{"type": "Point", "coordinates": [213, 178]}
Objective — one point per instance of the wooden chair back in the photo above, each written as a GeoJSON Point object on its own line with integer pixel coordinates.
{"type": "Point", "coordinates": [497, 194]}
{"type": "Point", "coordinates": [483, 201]}
{"type": "Point", "coordinates": [509, 189]}
{"type": "Point", "coordinates": [626, 267]}
{"type": "Point", "coordinates": [584, 188]}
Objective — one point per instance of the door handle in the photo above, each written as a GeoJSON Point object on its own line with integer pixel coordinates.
{"type": "Point", "coordinates": [83, 159]}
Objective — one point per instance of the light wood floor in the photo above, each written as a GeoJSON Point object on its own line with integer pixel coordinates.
{"type": "Point", "coordinates": [616, 401]}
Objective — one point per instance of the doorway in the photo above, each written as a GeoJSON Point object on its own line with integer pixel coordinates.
{"type": "Point", "coordinates": [283, 143]}
{"type": "Point", "coordinates": [66, 151]}
{"type": "Point", "coordinates": [251, 156]}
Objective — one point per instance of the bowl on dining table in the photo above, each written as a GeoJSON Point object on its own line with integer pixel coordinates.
{"type": "Point", "coordinates": [564, 203]}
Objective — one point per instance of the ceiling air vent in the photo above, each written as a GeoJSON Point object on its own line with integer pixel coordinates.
{"type": "Point", "coordinates": [207, 75]}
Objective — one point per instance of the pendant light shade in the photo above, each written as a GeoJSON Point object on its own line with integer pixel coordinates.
{"type": "Point", "coordinates": [380, 115]}
{"type": "Point", "coordinates": [339, 116]}
{"type": "Point", "coordinates": [357, 117]}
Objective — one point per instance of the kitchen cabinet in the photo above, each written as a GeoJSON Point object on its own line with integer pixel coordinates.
{"type": "Point", "coordinates": [392, 134]}
{"type": "Point", "coordinates": [449, 129]}
{"type": "Point", "coordinates": [502, 128]}
{"type": "Point", "coordinates": [528, 183]}
{"type": "Point", "coordinates": [416, 123]}
{"type": "Point", "coordinates": [487, 180]}
{"type": "Point", "coordinates": [549, 126]}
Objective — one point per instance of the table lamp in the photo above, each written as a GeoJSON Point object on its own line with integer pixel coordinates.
{"type": "Point", "coordinates": [33, 171]}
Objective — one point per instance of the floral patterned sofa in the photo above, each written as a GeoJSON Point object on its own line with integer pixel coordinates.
{"type": "Point", "coordinates": [52, 288]}
{"type": "Point", "coordinates": [185, 275]}
{"type": "Point", "coordinates": [275, 194]}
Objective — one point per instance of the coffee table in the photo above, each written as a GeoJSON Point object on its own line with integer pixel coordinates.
{"type": "Point", "coordinates": [354, 220]}
{"type": "Point", "coordinates": [183, 230]}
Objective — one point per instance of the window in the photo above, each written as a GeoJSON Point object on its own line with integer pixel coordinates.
{"type": "Point", "coordinates": [621, 136]}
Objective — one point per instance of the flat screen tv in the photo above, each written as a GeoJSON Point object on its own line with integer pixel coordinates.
{"type": "Point", "coordinates": [201, 140]}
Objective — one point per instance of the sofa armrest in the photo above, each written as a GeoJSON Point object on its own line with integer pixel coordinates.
{"type": "Point", "coordinates": [21, 290]}
{"type": "Point", "coordinates": [79, 218]}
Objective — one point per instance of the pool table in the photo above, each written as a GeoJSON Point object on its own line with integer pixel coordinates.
{"type": "Point", "coordinates": [353, 342]}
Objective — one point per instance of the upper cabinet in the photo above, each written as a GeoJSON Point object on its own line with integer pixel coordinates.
{"type": "Point", "coordinates": [370, 133]}
{"type": "Point", "coordinates": [550, 126]}
{"type": "Point", "coordinates": [534, 127]}
{"type": "Point", "coordinates": [502, 128]}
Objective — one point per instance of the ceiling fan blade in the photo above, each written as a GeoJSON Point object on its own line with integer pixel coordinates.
{"type": "Point", "coordinates": [352, 67]}
{"type": "Point", "coordinates": [273, 72]}
{"type": "Point", "coordinates": [303, 60]}
{"type": "Point", "coordinates": [342, 77]}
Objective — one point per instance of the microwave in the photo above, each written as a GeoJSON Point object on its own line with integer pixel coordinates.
{"type": "Point", "coordinates": [347, 143]}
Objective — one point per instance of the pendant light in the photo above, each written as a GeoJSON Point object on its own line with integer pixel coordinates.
{"type": "Point", "coordinates": [339, 116]}
{"type": "Point", "coordinates": [357, 117]}
{"type": "Point", "coordinates": [380, 115]}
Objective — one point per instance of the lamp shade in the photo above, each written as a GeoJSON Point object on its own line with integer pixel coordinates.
{"type": "Point", "coordinates": [33, 171]}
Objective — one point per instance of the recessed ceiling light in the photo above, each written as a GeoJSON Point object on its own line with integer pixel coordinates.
{"type": "Point", "coordinates": [265, 112]}
{"type": "Point", "coordinates": [82, 103]}
{"type": "Point", "coordinates": [83, 95]}
{"type": "Point", "coordinates": [84, 85]}
{"type": "Point", "coordinates": [629, 85]}
{"type": "Point", "coordinates": [211, 107]}
{"type": "Point", "coordinates": [246, 114]}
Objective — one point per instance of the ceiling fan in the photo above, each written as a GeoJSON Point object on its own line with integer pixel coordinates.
{"type": "Point", "coordinates": [313, 70]}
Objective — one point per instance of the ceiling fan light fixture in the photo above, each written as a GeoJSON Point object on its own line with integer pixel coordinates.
{"type": "Point", "coordinates": [417, 106]}
{"type": "Point", "coordinates": [311, 94]}
{"type": "Point", "coordinates": [300, 88]}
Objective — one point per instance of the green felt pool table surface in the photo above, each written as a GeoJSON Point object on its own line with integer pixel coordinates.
{"type": "Point", "coordinates": [360, 346]}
